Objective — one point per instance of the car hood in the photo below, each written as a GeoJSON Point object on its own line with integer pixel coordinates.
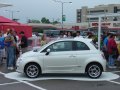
{"type": "Point", "coordinates": [28, 54]}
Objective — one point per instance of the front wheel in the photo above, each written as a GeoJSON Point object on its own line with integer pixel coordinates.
{"type": "Point", "coordinates": [32, 70]}
{"type": "Point", "coordinates": [94, 70]}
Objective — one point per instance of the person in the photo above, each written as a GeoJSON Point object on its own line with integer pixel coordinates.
{"type": "Point", "coordinates": [1, 47]}
{"type": "Point", "coordinates": [90, 35]}
{"type": "Point", "coordinates": [112, 50]}
{"type": "Point", "coordinates": [10, 47]}
{"type": "Point", "coordinates": [23, 42]}
{"type": "Point", "coordinates": [61, 35]}
{"type": "Point", "coordinates": [105, 34]}
{"type": "Point", "coordinates": [6, 33]}
{"type": "Point", "coordinates": [69, 35]}
{"type": "Point", "coordinates": [16, 38]}
{"type": "Point", "coordinates": [43, 40]}
{"type": "Point", "coordinates": [78, 35]}
{"type": "Point", "coordinates": [65, 34]}
{"type": "Point", "coordinates": [105, 46]}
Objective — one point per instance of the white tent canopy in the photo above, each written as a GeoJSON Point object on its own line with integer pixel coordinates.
{"type": "Point", "coordinates": [4, 5]}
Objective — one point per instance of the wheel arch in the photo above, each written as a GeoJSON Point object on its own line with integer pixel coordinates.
{"type": "Point", "coordinates": [32, 63]}
{"type": "Point", "coordinates": [93, 63]}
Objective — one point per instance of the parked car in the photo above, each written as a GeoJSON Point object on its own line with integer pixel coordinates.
{"type": "Point", "coordinates": [73, 55]}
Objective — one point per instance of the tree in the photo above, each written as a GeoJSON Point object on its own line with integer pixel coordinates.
{"type": "Point", "coordinates": [55, 22]}
{"type": "Point", "coordinates": [45, 20]}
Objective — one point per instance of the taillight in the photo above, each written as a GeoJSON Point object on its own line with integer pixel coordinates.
{"type": "Point", "coordinates": [103, 56]}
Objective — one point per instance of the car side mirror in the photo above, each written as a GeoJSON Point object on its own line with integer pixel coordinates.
{"type": "Point", "coordinates": [48, 51]}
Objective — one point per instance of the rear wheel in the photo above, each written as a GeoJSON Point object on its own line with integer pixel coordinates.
{"type": "Point", "coordinates": [32, 70]}
{"type": "Point", "coordinates": [94, 70]}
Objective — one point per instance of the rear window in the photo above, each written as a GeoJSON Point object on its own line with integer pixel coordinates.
{"type": "Point", "coordinates": [81, 46]}
{"type": "Point", "coordinates": [96, 46]}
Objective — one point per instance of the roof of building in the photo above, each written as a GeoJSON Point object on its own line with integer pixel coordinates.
{"type": "Point", "coordinates": [4, 5]}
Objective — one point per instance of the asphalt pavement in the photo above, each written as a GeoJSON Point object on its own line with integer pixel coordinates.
{"type": "Point", "coordinates": [58, 82]}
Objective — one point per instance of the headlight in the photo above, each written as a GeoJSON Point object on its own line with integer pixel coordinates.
{"type": "Point", "coordinates": [19, 60]}
{"type": "Point", "coordinates": [103, 56]}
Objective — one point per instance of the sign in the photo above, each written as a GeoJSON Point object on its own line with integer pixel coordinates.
{"type": "Point", "coordinates": [75, 27]}
{"type": "Point", "coordinates": [116, 24]}
{"type": "Point", "coordinates": [103, 24]}
{"type": "Point", "coordinates": [107, 24]}
{"type": "Point", "coordinates": [63, 18]}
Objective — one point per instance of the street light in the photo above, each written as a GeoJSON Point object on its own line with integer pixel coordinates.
{"type": "Point", "coordinates": [12, 12]}
{"type": "Point", "coordinates": [62, 3]}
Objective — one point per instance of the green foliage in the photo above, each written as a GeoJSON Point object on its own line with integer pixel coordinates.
{"type": "Point", "coordinates": [45, 20]}
{"type": "Point", "coordinates": [55, 22]}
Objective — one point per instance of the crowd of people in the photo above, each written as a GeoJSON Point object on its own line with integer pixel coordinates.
{"type": "Point", "coordinates": [44, 39]}
{"type": "Point", "coordinates": [10, 45]}
{"type": "Point", "coordinates": [67, 34]}
{"type": "Point", "coordinates": [108, 44]}
{"type": "Point", "coordinates": [110, 49]}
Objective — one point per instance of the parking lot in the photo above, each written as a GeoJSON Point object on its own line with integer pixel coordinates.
{"type": "Point", "coordinates": [11, 79]}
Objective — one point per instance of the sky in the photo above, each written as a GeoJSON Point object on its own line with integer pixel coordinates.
{"type": "Point", "coordinates": [36, 9]}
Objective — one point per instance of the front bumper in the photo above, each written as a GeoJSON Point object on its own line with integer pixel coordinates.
{"type": "Point", "coordinates": [19, 67]}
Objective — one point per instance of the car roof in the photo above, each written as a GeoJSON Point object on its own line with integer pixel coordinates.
{"type": "Point", "coordinates": [86, 40]}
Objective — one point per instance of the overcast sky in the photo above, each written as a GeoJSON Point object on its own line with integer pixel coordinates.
{"type": "Point", "coordinates": [36, 9]}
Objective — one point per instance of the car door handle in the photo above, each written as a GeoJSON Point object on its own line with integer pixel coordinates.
{"type": "Point", "coordinates": [72, 56]}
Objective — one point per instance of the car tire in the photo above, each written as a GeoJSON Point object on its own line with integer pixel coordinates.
{"type": "Point", "coordinates": [94, 70]}
{"type": "Point", "coordinates": [32, 70]}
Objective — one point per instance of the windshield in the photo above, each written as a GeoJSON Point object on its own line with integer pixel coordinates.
{"type": "Point", "coordinates": [39, 48]}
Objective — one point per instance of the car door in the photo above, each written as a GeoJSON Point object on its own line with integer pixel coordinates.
{"type": "Point", "coordinates": [82, 53]}
{"type": "Point", "coordinates": [60, 58]}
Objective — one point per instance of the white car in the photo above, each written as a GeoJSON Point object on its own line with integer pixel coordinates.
{"type": "Point", "coordinates": [76, 55]}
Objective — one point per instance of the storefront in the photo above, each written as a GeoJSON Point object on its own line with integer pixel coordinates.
{"type": "Point", "coordinates": [113, 26]}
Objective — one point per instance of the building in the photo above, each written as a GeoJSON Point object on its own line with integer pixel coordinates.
{"type": "Point", "coordinates": [66, 26]}
{"type": "Point", "coordinates": [101, 9]}
{"type": "Point", "coordinates": [4, 5]}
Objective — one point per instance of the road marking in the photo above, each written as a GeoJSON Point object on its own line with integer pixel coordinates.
{"type": "Point", "coordinates": [32, 85]}
{"type": "Point", "coordinates": [115, 71]}
{"type": "Point", "coordinates": [2, 73]}
{"type": "Point", "coordinates": [9, 83]}
{"type": "Point", "coordinates": [114, 82]}
{"type": "Point", "coordinates": [19, 81]}
{"type": "Point", "coordinates": [106, 76]}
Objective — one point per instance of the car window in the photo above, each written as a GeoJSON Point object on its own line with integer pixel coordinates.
{"type": "Point", "coordinates": [60, 46]}
{"type": "Point", "coordinates": [95, 45]}
{"type": "Point", "coordinates": [81, 46]}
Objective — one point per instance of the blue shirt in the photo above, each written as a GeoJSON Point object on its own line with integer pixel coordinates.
{"type": "Point", "coordinates": [105, 42]}
{"type": "Point", "coordinates": [2, 42]}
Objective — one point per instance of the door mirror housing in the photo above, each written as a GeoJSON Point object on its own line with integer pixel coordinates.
{"type": "Point", "coordinates": [48, 51]}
